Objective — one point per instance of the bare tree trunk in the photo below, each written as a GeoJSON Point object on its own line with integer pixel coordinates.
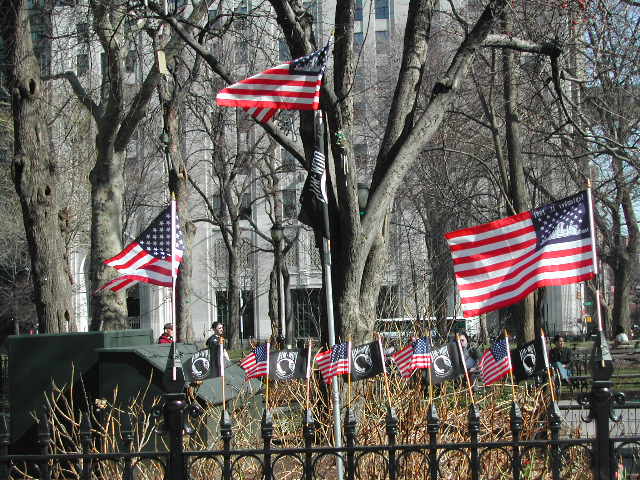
{"type": "Point", "coordinates": [524, 311]}
{"type": "Point", "coordinates": [36, 175]}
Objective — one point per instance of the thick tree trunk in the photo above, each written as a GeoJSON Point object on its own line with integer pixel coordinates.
{"type": "Point", "coordinates": [524, 311]}
{"type": "Point", "coordinates": [233, 299]}
{"type": "Point", "coordinates": [372, 279]}
{"type": "Point", "coordinates": [109, 309]}
{"type": "Point", "coordinates": [36, 175]}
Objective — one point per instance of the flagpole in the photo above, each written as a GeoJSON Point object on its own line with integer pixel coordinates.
{"type": "Point", "coordinates": [328, 290]}
{"type": "Point", "coordinates": [430, 368]}
{"type": "Point", "coordinates": [513, 384]}
{"type": "Point", "coordinates": [173, 280]}
{"type": "Point", "coordinates": [464, 366]}
{"type": "Point", "coordinates": [594, 251]}
{"type": "Point", "coordinates": [546, 361]}
{"type": "Point", "coordinates": [266, 394]}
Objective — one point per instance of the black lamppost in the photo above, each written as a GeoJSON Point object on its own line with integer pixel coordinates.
{"type": "Point", "coordinates": [277, 235]}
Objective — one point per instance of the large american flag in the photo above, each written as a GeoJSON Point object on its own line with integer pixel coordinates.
{"type": "Point", "coordinates": [415, 355]}
{"type": "Point", "coordinates": [495, 362]}
{"type": "Point", "coordinates": [149, 257]}
{"type": "Point", "coordinates": [335, 361]}
{"type": "Point", "coordinates": [291, 86]}
{"type": "Point", "coordinates": [256, 364]}
{"type": "Point", "coordinates": [497, 264]}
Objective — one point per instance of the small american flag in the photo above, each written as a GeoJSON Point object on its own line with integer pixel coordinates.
{"type": "Point", "coordinates": [415, 355]}
{"type": "Point", "coordinates": [499, 263]}
{"type": "Point", "coordinates": [149, 257]}
{"type": "Point", "coordinates": [495, 363]}
{"type": "Point", "coordinates": [256, 364]}
{"type": "Point", "coordinates": [290, 86]}
{"type": "Point", "coordinates": [335, 361]}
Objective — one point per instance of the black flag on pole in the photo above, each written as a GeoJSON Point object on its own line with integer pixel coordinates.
{"type": "Point", "coordinates": [288, 364]}
{"type": "Point", "coordinates": [366, 361]}
{"type": "Point", "coordinates": [203, 364]}
{"type": "Point", "coordinates": [528, 360]}
{"type": "Point", "coordinates": [314, 193]}
{"type": "Point", "coordinates": [445, 364]}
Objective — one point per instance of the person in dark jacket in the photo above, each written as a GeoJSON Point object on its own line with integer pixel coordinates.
{"type": "Point", "coordinates": [167, 335]}
{"type": "Point", "coordinates": [560, 358]}
{"type": "Point", "coordinates": [214, 340]}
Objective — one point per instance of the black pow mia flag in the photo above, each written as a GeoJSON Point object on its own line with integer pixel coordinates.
{"type": "Point", "coordinates": [366, 361]}
{"type": "Point", "coordinates": [203, 364]}
{"type": "Point", "coordinates": [528, 360]}
{"type": "Point", "coordinates": [288, 364]}
{"type": "Point", "coordinates": [445, 364]}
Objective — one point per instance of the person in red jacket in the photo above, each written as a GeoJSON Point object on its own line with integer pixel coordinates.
{"type": "Point", "coordinates": [167, 335]}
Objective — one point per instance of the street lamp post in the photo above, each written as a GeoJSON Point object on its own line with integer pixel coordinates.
{"type": "Point", "coordinates": [277, 235]}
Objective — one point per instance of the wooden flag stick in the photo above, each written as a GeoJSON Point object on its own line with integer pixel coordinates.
{"type": "Point", "coordinates": [464, 366]}
{"type": "Point", "coordinates": [513, 384]}
{"type": "Point", "coordinates": [546, 360]}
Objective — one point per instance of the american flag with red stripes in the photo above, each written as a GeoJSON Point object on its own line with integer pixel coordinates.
{"type": "Point", "coordinates": [291, 86]}
{"type": "Point", "coordinates": [149, 257]}
{"type": "Point", "coordinates": [335, 361]}
{"type": "Point", "coordinates": [415, 355]}
{"type": "Point", "coordinates": [256, 364]}
{"type": "Point", "coordinates": [495, 362]}
{"type": "Point", "coordinates": [499, 263]}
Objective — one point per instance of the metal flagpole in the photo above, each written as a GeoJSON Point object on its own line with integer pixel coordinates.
{"type": "Point", "coordinates": [173, 280]}
{"type": "Point", "coordinates": [328, 289]}
{"type": "Point", "coordinates": [594, 251]}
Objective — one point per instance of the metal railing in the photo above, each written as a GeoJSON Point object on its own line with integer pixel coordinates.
{"type": "Point", "coordinates": [551, 454]}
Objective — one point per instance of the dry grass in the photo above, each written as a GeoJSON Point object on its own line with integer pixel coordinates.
{"type": "Point", "coordinates": [287, 400]}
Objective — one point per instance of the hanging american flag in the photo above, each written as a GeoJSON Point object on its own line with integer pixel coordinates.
{"type": "Point", "coordinates": [415, 355]}
{"type": "Point", "coordinates": [256, 364]}
{"type": "Point", "coordinates": [290, 86]}
{"type": "Point", "coordinates": [495, 363]}
{"type": "Point", "coordinates": [335, 361]}
{"type": "Point", "coordinates": [497, 264]}
{"type": "Point", "coordinates": [149, 257]}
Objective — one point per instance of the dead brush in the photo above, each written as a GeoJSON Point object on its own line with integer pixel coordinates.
{"type": "Point", "coordinates": [287, 401]}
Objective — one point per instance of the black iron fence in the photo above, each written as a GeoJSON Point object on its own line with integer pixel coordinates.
{"type": "Point", "coordinates": [553, 454]}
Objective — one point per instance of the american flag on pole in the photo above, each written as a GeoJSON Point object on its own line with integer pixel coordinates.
{"type": "Point", "coordinates": [497, 264]}
{"type": "Point", "coordinates": [256, 364]}
{"type": "Point", "coordinates": [291, 86]}
{"type": "Point", "coordinates": [335, 361]}
{"type": "Point", "coordinates": [415, 355]}
{"type": "Point", "coordinates": [149, 258]}
{"type": "Point", "coordinates": [495, 363]}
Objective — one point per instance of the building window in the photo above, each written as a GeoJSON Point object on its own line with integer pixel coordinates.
{"type": "Point", "coordinates": [216, 204]}
{"type": "Point", "coordinates": [358, 40]}
{"type": "Point", "coordinates": [382, 42]}
{"type": "Point", "coordinates": [283, 50]}
{"type": "Point", "coordinates": [246, 310]}
{"type": "Point", "coordinates": [133, 306]}
{"type": "Point", "coordinates": [130, 61]}
{"type": "Point", "coordinates": [220, 257]}
{"type": "Point", "coordinates": [358, 12]}
{"type": "Point", "coordinates": [290, 203]}
{"type": "Point", "coordinates": [382, 9]}
{"type": "Point", "coordinates": [82, 64]}
{"type": "Point", "coordinates": [388, 302]}
{"type": "Point", "coordinates": [82, 31]}
{"type": "Point", "coordinates": [245, 206]}
{"type": "Point", "coordinates": [315, 260]}
{"type": "Point", "coordinates": [288, 161]}
{"type": "Point", "coordinates": [242, 53]}
{"type": "Point", "coordinates": [360, 153]}
{"type": "Point", "coordinates": [222, 307]}
{"type": "Point", "coordinates": [305, 303]}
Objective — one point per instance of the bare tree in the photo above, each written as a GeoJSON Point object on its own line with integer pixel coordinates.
{"type": "Point", "coordinates": [36, 173]}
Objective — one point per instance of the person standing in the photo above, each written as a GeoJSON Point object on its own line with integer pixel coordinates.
{"type": "Point", "coordinates": [167, 335]}
{"type": "Point", "coordinates": [214, 340]}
